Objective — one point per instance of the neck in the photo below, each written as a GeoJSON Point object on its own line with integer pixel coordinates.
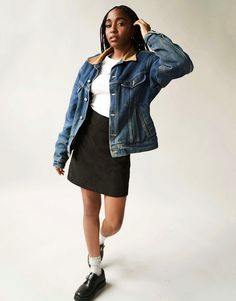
{"type": "Point", "coordinates": [118, 53]}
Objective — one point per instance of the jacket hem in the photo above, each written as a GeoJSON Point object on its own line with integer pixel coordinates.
{"type": "Point", "coordinates": [130, 149]}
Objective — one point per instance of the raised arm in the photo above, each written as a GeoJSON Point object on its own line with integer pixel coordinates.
{"type": "Point", "coordinates": [169, 61]}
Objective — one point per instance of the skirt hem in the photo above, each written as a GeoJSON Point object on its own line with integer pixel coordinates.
{"type": "Point", "coordinates": [96, 190]}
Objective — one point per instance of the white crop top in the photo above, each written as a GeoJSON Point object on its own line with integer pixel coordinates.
{"type": "Point", "coordinates": [100, 88]}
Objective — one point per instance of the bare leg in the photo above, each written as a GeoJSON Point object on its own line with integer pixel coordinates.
{"type": "Point", "coordinates": [114, 214]}
{"type": "Point", "coordinates": [91, 223]}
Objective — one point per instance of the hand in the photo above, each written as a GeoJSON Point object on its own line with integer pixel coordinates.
{"type": "Point", "coordinates": [144, 26]}
{"type": "Point", "coordinates": [59, 170]}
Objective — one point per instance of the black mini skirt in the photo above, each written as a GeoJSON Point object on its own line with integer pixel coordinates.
{"type": "Point", "coordinates": [91, 165]}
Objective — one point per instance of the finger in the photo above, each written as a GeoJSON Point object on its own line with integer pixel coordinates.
{"type": "Point", "coordinates": [137, 21]}
{"type": "Point", "coordinates": [144, 22]}
{"type": "Point", "coordinates": [58, 171]}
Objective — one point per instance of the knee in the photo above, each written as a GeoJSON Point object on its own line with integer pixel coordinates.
{"type": "Point", "coordinates": [115, 225]}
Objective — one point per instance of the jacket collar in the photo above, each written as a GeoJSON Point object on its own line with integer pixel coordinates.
{"type": "Point", "coordinates": [129, 56]}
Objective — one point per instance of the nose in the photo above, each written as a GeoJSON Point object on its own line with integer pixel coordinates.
{"type": "Point", "coordinates": [113, 28]}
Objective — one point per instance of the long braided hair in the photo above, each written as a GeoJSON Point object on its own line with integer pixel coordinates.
{"type": "Point", "coordinates": [138, 41]}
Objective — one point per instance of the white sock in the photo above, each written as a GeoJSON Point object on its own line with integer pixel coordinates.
{"type": "Point", "coordinates": [101, 238]}
{"type": "Point", "coordinates": [95, 263]}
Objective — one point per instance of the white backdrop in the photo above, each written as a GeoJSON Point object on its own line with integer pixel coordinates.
{"type": "Point", "coordinates": [177, 241]}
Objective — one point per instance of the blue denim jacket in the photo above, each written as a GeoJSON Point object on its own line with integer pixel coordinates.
{"type": "Point", "coordinates": [134, 83]}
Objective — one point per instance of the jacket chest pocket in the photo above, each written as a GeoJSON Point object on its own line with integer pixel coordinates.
{"type": "Point", "coordinates": [134, 81]}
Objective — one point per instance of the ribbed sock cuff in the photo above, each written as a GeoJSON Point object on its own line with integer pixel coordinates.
{"type": "Point", "coordinates": [95, 264]}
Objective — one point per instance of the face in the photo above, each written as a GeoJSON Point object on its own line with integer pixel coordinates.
{"type": "Point", "coordinates": [118, 29]}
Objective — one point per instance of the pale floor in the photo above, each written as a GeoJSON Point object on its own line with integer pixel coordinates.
{"type": "Point", "coordinates": [169, 249]}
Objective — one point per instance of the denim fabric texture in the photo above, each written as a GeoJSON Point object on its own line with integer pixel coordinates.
{"type": "Point", "coordinates": [134, 82]}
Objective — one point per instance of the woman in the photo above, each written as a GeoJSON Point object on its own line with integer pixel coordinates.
{"type": "Point", "coordinates": [108, 119]}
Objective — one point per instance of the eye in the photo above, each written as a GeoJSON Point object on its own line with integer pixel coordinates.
{"type": "Point", "coordinates": [108, 25]}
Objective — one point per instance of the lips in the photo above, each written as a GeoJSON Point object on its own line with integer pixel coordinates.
{"type": "Point", "coordinates": [113, 38]}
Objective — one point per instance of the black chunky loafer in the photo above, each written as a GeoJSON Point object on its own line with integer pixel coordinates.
{"type": "Point", "coordinates": [91, 285]}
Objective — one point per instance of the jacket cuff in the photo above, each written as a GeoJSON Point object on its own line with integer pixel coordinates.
{"type": "Point", "coordinates": [150, 33]}
{"type": "Point", "coordinates": [57, 164]}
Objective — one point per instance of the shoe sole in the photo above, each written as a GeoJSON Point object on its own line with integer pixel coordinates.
{"type": "Point", "coordinates": [88, 298]}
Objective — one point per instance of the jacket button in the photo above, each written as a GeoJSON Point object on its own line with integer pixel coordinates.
{"type": "Point", "coordinates": [89, 80]}
{"type": "Point", "coordinates": [85, 99]}
{"type": "Point", "coordinates": [113, 93]}
{"type": "Point", "coordinates": [81, 117]}
{"type": "Point", "coordinates": [112, 114]}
